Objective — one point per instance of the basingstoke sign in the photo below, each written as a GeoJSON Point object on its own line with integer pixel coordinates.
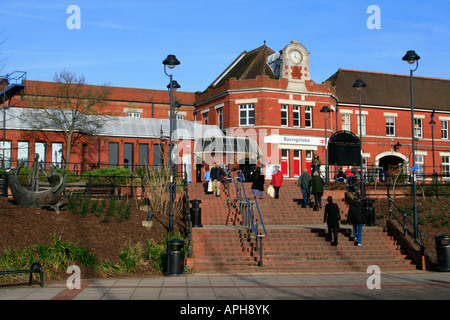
{"type": "Point", "coordinates": [296, 140]}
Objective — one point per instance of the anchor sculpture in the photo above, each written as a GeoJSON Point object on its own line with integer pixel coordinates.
{"type": "Point", "coordinates": [35, 198]}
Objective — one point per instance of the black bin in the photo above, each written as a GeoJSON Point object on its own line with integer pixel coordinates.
{"type": "Point", "coordinates": [196, 213]}
{"type": "Point", "coordinates": [443, 252]}
{"type": "Point", "coordinates": [175, 257]}
{"type": "Point", "coordinates": [369, 211]}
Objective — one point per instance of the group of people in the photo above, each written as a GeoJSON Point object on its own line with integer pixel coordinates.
{"type": "Point", "coordinates": [213, 178]}
{"type": "Point", "coordinates": [356, 217]}
{"type": "Point", "coordinates": [311, 185]}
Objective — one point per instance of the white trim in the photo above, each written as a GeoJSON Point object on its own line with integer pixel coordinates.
{"type": "Point", "coordinates": [293, 147]}
{"type": "Point", "coordinates": [220, 105]}
{"type": "Point", "coordinates": [206, 110]}
{"type": "Point", "coordinates": [421, 152]}
{"type": "Point", "coordinates": [297, 102]}
{"type": "Point", "coordinates": [444, 118]}
{"type": "Point", "coordinates": [390, 114]}
{"type": "Point", "coordinates": [444, 154]}
{"type": "Point", "coordinates": [246, 101]}
{"type": "Point", "coordinates": [419, 116]}
{"type": "Point", "coordinates": [345, 111]}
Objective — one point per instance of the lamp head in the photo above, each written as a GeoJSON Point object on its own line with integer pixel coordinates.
{"type": "Point", "coordinates": [171, 61]}
{"type": "Point", "coordinates": [359, 85]}
{"type": "Point", "coordinates": [411, 56]}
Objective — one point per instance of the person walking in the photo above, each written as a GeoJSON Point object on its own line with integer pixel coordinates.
{"type": "Point", "coordinates": [332, 217]}
{"type": "Point", "coordinates": [277, 181]}
{"type": "Point", "coordinates": [215, 178]}
{"type": "Point", "coordinates": [357, 218]}
{"type": "Point", "coordinates": [304, 181]}
{"type": "Point", "coordinates": [257, 183]}
{"type": "Point", "coordinates": [315, 164]}
{"type": "Point", "coordinates": [317, 185]}
{"type": "Point", "coordinates": [206, 180]}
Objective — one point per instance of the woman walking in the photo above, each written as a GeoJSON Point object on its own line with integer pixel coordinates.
{"type": "Point", "coordinates": [257, 183]}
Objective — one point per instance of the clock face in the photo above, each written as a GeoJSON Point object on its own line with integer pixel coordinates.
{"type": "Point", "coordinates": [295, 56]}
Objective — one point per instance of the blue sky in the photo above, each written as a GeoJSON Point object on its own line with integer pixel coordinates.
{"type": "Point", "coordinates": [124, 42]}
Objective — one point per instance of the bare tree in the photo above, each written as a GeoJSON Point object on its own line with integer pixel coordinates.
{"type": "Point", "coordinates": [68, 105]}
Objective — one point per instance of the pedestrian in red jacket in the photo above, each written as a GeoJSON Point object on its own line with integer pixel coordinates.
{"type": "Point", "coordinates": [277, 180]}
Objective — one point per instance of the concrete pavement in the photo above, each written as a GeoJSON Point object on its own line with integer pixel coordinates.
{"type": "Point", "coordinates": [423, 285]}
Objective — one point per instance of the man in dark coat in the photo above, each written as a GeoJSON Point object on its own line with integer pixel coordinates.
{"type": "Point", "coordinates": [332, 217]}
{"type": "Point", "coordinates": [357, 218]}
{"type": "Point", "coordinates": [317, 185]}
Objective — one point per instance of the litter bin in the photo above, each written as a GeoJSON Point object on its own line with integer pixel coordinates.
{"type": "Point", "coordinates": [175, 257]}
{"type": "Point", "coordinates": [443, 252]}
{"type": "Point", "coordinates": [196, 213]}
{"type": "Point", "coordinates": [369, 211]}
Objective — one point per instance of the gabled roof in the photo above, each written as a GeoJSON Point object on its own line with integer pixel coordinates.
{"type": "Point", "coordinates": [387, 89]}
{"type": "Point", "coordinates": [248, 65]}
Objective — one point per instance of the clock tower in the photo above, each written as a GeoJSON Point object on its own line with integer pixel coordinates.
{"type": "Point", "coordinates": [295, 64]}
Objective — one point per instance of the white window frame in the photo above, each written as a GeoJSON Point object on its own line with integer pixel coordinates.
{"type": "Point", "coordinates": [308, 114]}
{"type": "Point", "coordinates": [133, 114]}
{"type": "Point", "coordinates": [346, 121]}
{"type": "Point", "coordinates": [284, 115]}
{"type": "Point", "coordinates": [446, 167]}
{"type": "Point", "coordinates": [220, 117]}
{"type": "Point", "coordinates": [296, 116]}
{"type": "Point", "coordinates": [245, 118]}
{"type": "Point", "coordinates": [363, 126]}
{"type": "Point", "coordinates": [206, 118]}
{"type": "Point", "coordinates": [390, 126]}
{"type": "Point", "coordinates": [418, 128]}
{"type": "Point", "coordinates": [444, 129]}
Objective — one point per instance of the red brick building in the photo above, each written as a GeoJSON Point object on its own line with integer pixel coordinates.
{"type": "Point", "coordinates": [268, 100]}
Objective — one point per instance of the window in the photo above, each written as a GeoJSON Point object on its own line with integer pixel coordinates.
{"type": "Point", "coordinates": [5, 154]}
{"type": "Point", "coordinates": [128, 155]}
{"type": "Point", "coordinates": [247, 114]}
{"type": "Point", "coordinates": [390, 126]}
{"type": "Point", "coordinates": [446, 166]}
{"type": "Point", "coordinates": [363, 124]}
{"type": "Point", "coordinates": [57, 152]}
{"type": "Point", "coordinates": [444, 129]}
{"type": "Point", "coordinates": [420, 163]}
{"type": "Point", "coordinates": [113, 154]}
{"type": "Point", "coordinates": [133, 114]}
{"type": "Point", "coordinates": [39, 148]}
{"type": "Point", "coordinates": [417, 128]}
{"type": "Point", "coordinates": [206, 118]}
{"type": "Point", "coordinates": [284, 115]}
{"type": "Point", "coordinates": [23, 152]}
{"type": "Point", "coordinates": [220, 118]}
{"type": "Point", "coordinates": [308, 117]}
{"type": "Point", "coordinates": [346, 121]}
{"type": "Point", "coordinates": [143, 154]}
{"type": "Point", "coordinates": [179, 116]}
{"type": "Point", "coordinates": [296, 116]}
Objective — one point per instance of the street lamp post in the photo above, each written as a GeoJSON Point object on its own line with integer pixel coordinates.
{"type": "Point", "coordinates": [171, 61]}
{"type": "Point", "coordinates": [411, 57]}
{"type": "Point", "coordinates": [326, 110]}
{"type": "Point", "coordinates": [361, 88]}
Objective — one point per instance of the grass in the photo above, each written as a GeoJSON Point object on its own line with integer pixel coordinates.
{"type": "Point", "coordinates": [56, 256]}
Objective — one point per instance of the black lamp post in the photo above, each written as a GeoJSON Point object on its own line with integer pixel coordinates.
{"type": "Point", "coordinates": [326, 110]}
{"type": "Point", "coordinates": [361, 88]}
{"type": "Point", "coordinates": [411, 57]}
{"type": "Point", "coordinates": [171, 61]}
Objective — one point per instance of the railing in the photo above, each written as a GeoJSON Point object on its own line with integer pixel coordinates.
{"type": "Point", "coordinates": [406, 224]}
{"type": "Point", "coordinates": [188, 213]}
{"type": "Point", "coordinates": [246, 210]}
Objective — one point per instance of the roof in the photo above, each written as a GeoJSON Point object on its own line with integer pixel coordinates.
{"type": "Point", "coordinates": [119, 93]}
{"type": "Point", "coordinates": [248, 65]}
{"type": "Point", "coordinates": [386, 89]}
{"type": "Point", "coordinates": [127, 126]}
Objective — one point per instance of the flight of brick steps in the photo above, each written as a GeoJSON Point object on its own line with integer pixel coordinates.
{"type": "Point", "coordinates": [296, 237]}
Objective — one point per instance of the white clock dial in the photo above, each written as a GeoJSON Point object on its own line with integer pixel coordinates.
{"type": "Point", "coordinates": [295, 56]}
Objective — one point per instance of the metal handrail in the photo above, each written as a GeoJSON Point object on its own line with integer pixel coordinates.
{"type": "Point", "coordinates": [404, 224]}
{"type": "Point", "coordinates": [188, 212]}
{"type": "Point", "coordinates": [249, 209]}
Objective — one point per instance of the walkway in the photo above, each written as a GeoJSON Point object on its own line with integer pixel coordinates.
{"type": "Point", "coordinates": [338, 286]}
